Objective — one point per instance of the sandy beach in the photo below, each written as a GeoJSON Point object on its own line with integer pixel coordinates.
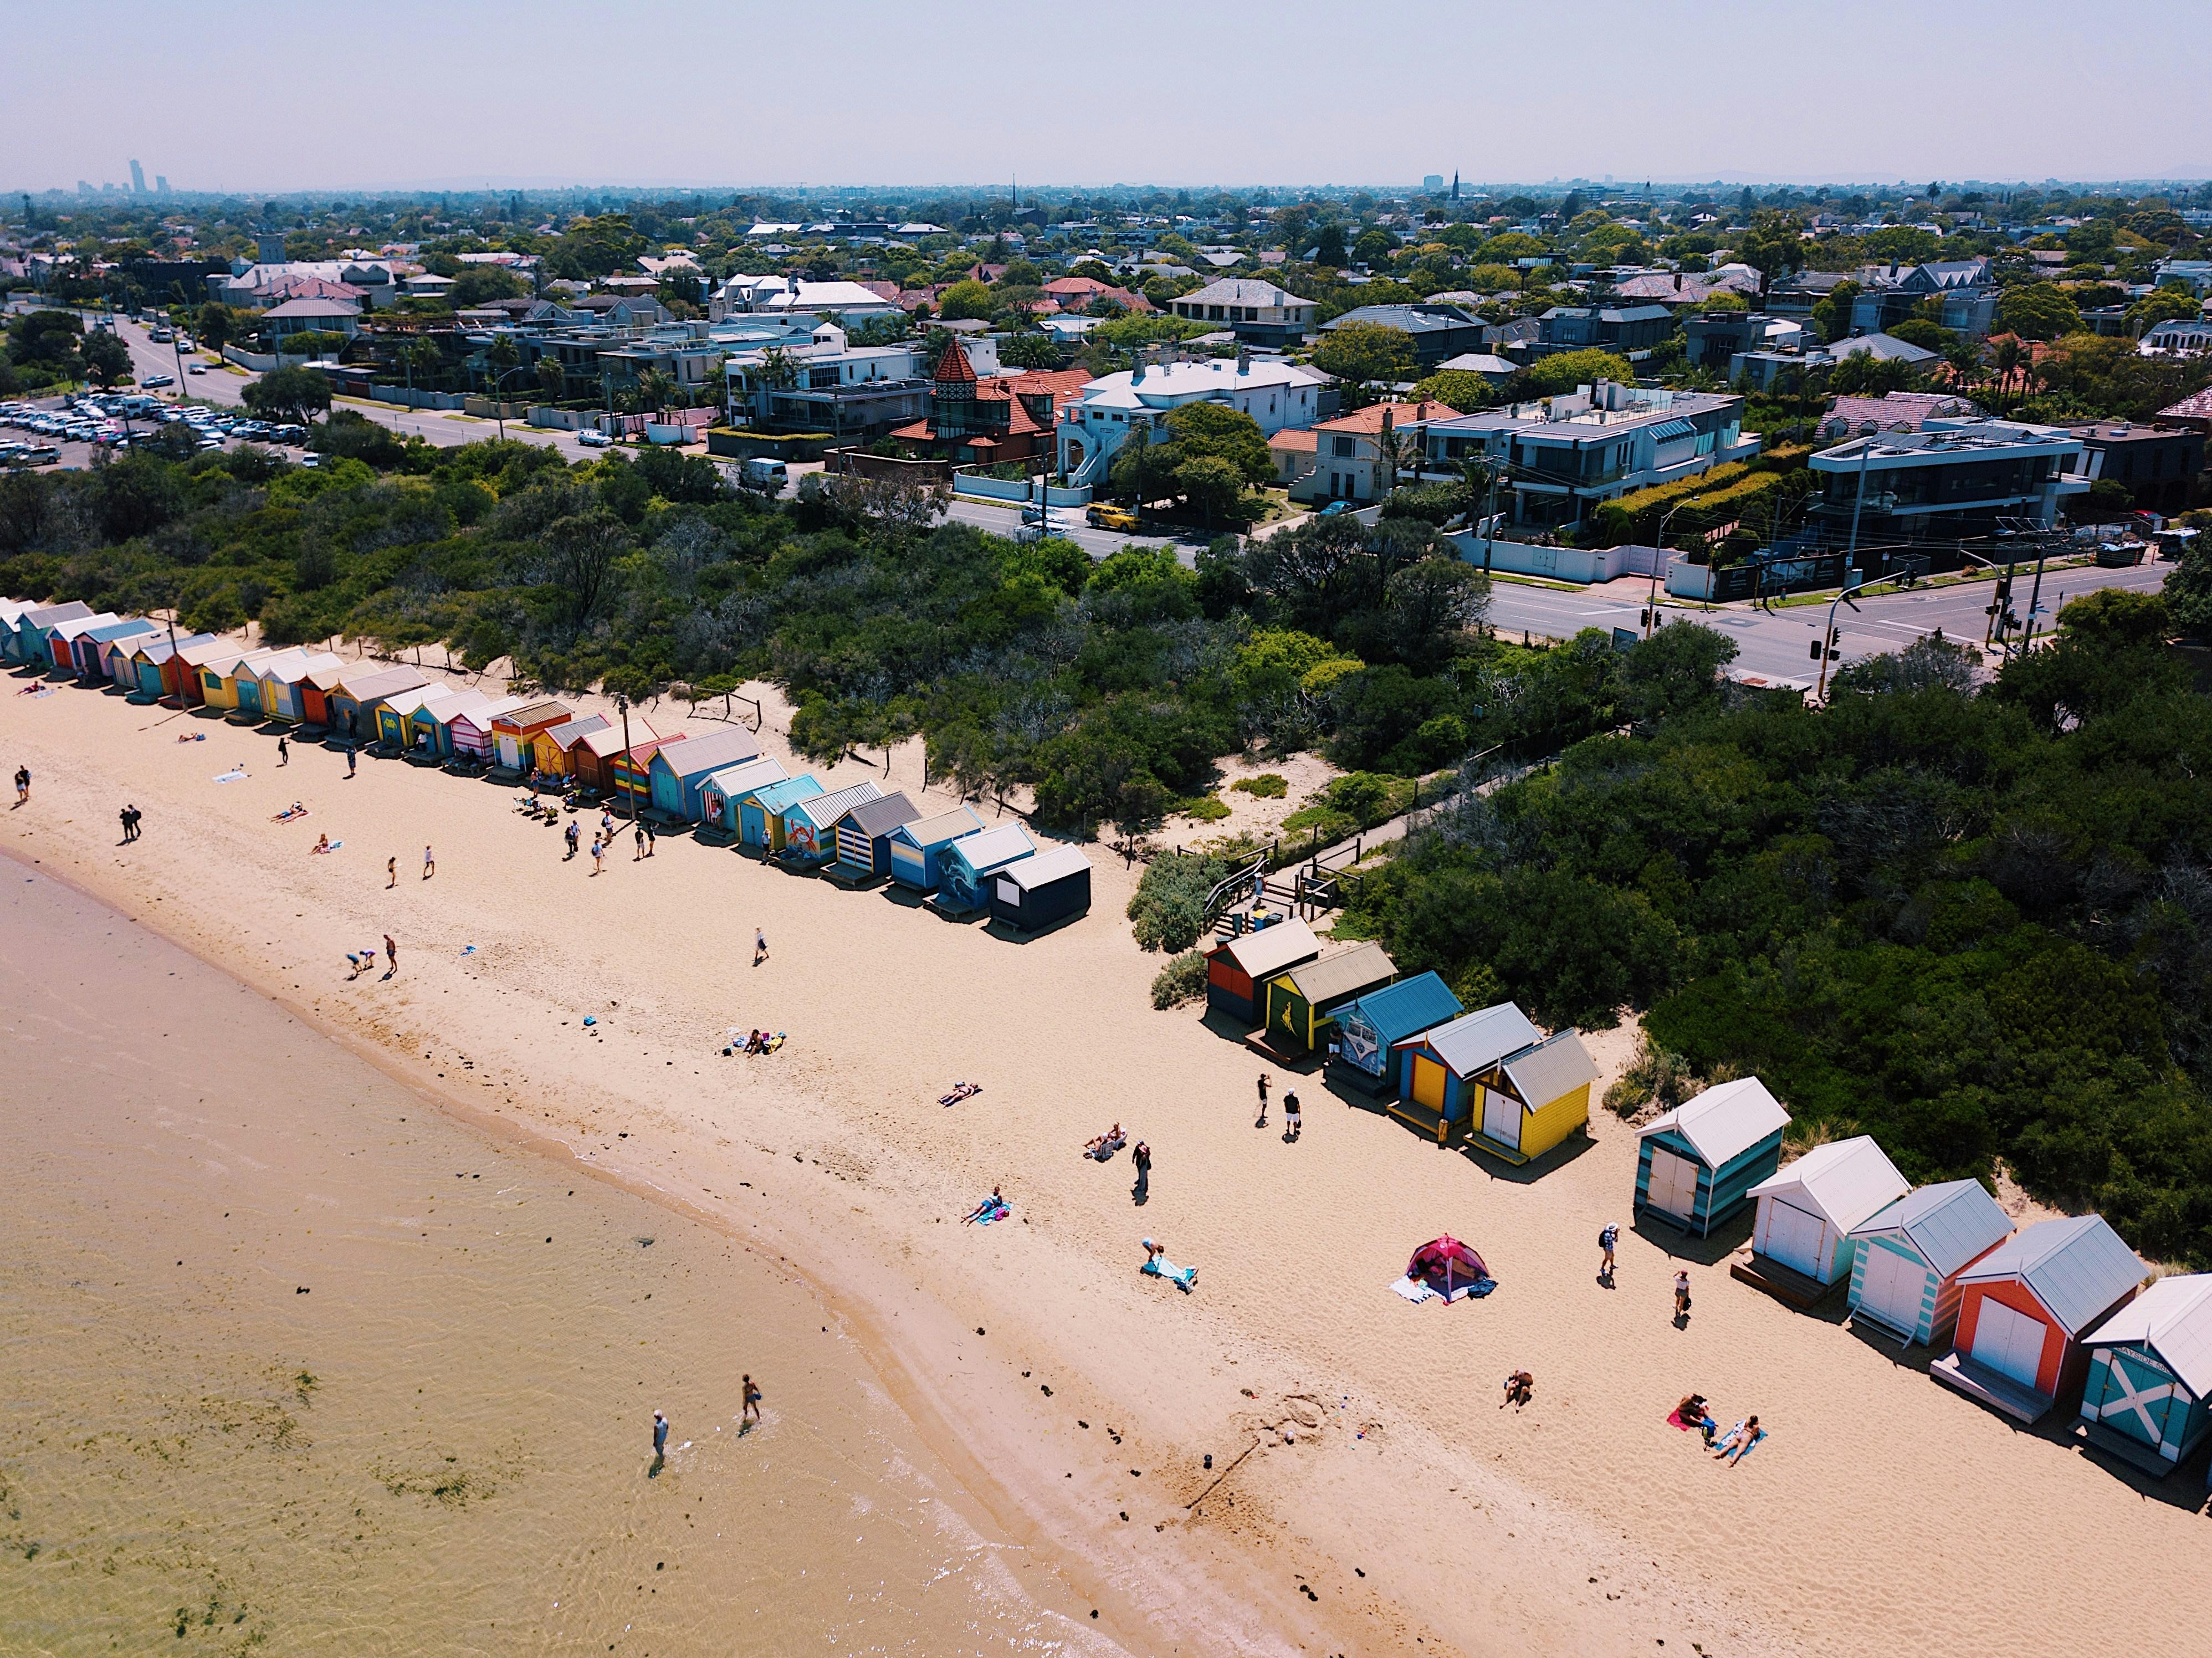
{"type": "Point", "coordinates": [1367, 1494]}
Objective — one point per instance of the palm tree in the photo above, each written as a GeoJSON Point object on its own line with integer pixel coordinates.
{"type": "Point", "coordinates": [425, 355]}
{"type": "Point", "coordinates": [1396, 450]}
{"type": "Point", "coordinates": [499, 357]}
{"type": "Point", "coordinates": [2006, 361]}
{"type": "Point", "coordinates": [655, 390]}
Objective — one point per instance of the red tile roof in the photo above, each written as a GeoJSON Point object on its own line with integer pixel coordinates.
{"type": "Point", "coordinates": [953, 367]}
{"type": "Point", "coordinates": [1370, 419]}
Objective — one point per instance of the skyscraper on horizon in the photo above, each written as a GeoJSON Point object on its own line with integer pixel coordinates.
{"type": "Point", "coordinates": [160, 184]}
{"type": "Point", "coordinates": [137, 179]}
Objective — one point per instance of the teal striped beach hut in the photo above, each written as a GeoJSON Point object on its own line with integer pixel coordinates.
{"type": "Point", "coordinates": [2150, 1375]}
{"type": "Point", "coordinates": [1908, 1256]}
{"type": "Point", "coordinates": [1697, 1164]}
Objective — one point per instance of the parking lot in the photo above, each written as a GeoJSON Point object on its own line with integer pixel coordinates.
{"type": "Point", "coordinates": [65, 432]}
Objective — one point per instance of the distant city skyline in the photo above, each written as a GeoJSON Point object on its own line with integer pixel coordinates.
{"type": "Point", "coordinates": [560, 93]}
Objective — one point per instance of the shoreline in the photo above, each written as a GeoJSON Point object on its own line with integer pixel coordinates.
{"type": "Point", "coordinates": [1422, 1519]}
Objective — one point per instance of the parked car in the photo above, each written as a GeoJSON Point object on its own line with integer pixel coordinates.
{"type": "Point", "coordinates": [592, 440]}
{"type": "Point", "coordinates": [1335, 509]}
{"type": "Point", "coordinates": [1107, 516]}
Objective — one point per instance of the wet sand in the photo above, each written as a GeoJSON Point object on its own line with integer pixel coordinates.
{"type": "Point", "coordinates": [290, 1360]}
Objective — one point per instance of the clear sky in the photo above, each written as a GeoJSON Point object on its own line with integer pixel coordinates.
{"type": "Point", "coordinates": [219, 95]}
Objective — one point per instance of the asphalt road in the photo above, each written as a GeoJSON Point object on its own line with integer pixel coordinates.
{"type": "Point", "coordinates": [1781, 642]}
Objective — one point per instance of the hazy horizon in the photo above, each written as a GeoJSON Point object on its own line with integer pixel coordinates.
{"type": "Point", "coordinates": [694, 95]}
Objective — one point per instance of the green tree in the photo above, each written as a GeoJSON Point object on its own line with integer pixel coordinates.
{"type": "Point", "coordinates": [1563, 371]}
{"type": "Point", "coordinates": [106, 359]}
{"type": "Point", "coordinates": [552, 382]}
{"type": "Point", "coordinates": [2036, 311]}
{"type": "Point", "coordinates": [295, 394]}
{"type": "Point", "coordinates": [1363, 353]}
{"type": "Point", "coordinates": [480, 284]}
{"type": "Point", "coordinates": [1213, 430]}
{"type": "Point", "coordinates": [1771, 246]}
{"type": "Point", "coordinates": [1329, 248]}
{"type": "Point", "coordinates": [970, 299]}
{"type": "Point", "coordinates": [1212, 485]}
{"type": "Point", "coordinates": [1832, 315]}
{"type": "Point", "coordinates": [1456, 388]}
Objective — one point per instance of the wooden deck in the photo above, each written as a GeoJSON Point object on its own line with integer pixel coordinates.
{"type": "Point", "coordinates": [1488, 1147]}
{"type": "Point", "coordinates": [1958, 1372]}
{"type": "Point", "coordinates": [1785, 1283]}
{"type": "Point", "coordinates": [2125, 1446]}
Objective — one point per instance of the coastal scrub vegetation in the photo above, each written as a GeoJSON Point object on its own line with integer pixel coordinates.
{"type": "Point", "coordinates": [1976, 922]}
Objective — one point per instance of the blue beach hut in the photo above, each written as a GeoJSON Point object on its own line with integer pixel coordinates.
{"type": "Point", "coordinates": [760, 814]}
{"type": "Point", "coordinates": [679, 768]}
{"type": "Point", "coordinates": [809, 825]}
{"type": "Point", "coordinates": [864, 833]}
{"type": "Point", "coordinates": [1697, 1164]}
{"type": "Point", "coordinates": [92, 645]}
{"type": "Point", "coordinates": [1907, 1258]}
{"type": "Point", "coordinates": [2150, 1375]}
{"type": "Point", "coordinates": [724, 791]}
{"type": "Point", "coordinates": [27, 643]}
{"type": "Point", "coordinates": [1375, 1024]}
{"type": "Point", "coordinates": [917, 849]}
{"type": "Point", "coordinates": [965, 870]}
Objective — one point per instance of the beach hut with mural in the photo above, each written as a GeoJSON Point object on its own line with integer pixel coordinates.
{"type": "Point", "coordinates": [1801, 1234]}
{"type": "Point", "coordinates": [968, 864]}
{"type": "Point", "coordinates": [430, 728]}
{"type": "Point", "coordinates": [1696, 1164]}
{"type": "Point", "coordinates": [722, 792]}
{"type": "Point", "coordinates": [2025, 1307]}
{"type": "Point", "coordinates": [810, 826]}
{"type": "Point", "coordinates": [760, 810]}
{"type": "Point", "coordinates": [34, 628]}
{"type": "Point", "coordinates": [1493, 1077]}
{"type": "Point", "coordinates": [917, 848]}
{"type": "Point", "coordinates": [1032, 894]}
{"type": "Point", "coordinates": [514, 732]}
{"type": "Point", "coordinates": [631, 770]}
{"type": "Point", "coordinates": [1369, 1027]}
{"type": "Point", "coordinates": [1906, 1258]}
{"type": "Point", "coordinates": [677, 770]}
{"type": "Point", "coordinates": [395, 715]}
{"type": "Point", "coordinates": [469, 730]}
{"type": "Point", "coordinates": [553, 750]}
{"type": "Point", "coordinates": [1237, 969]}
{"type": "Point", "coordinates": [2150, 1375]}
{"type": "Point", "coordinates": [864, 834]}
{"type": "Point", "coordinates": [1302, 1005]}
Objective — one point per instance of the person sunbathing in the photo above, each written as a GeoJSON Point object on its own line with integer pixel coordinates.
{"type": "Point", "coordinates": [1520, 1388]}
{"type": "Point", "coordinates": [295, 809]}
{"type": "Point", "coordinates": [960, 1091]}
{"type": "Point", "coordinates": [1738, 1440]}
{"type": "Point", "coordinates": [1106, 1145]}
{"type": "Point", "coordinates": [322, 843]}
{"type": "Point", "coordinates": [990, 1207]}
{"type": "Point", "coordinates": [1157, 1264]}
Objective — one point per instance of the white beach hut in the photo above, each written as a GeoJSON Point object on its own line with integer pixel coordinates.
{"type": "Point", "coordinates": [1806, 1213]}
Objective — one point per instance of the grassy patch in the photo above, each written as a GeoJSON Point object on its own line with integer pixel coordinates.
{"type": "Point", "coordinates": [1268, 786]}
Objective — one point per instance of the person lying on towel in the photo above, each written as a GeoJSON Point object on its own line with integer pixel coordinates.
{"type": "Point", "coordinates": [960, 1091]}
{"type": "Point", "coordinates": [1738, 1442]}
{"type": "Point", "coordinates": [1106, 1145]}
{"type": "Point", "coordinates": [1157, 1264]}
{"type": "Point", "coordinates": [992, 1208]}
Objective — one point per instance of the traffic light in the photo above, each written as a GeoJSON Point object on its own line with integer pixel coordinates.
{"type": "Point", "coordinates": [1815, 652]}
{"type": "Point", "coordinates": [1643, 617]}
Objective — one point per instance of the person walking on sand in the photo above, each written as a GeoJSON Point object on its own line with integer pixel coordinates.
{"type": "Point", "coordinates": [760, 946]}
{"type": "Point", "coordinates": [1142, 1157]}
{"type": "Point", "coordinates": [1681, 1296]}
{"type": "Point", "coordinates": [638, 836]}
{"type": "Point", "coordinates": [351, 762]}
{"type": "Point", "coordinates": [751, 1412]}
{"type": "Point", "coordinates": [125, 816]}
{"type": "Point", "coordinates": [1293, 1124]}
{"type": "Point", "coordinates": [1262, 1123]}
{"type": "Point", "coordinates": [283, 750]}
{"type": "Point", "coordinates": [391, 954]}
{"type": "Point", "coordinates": [649, 840]}
{"type": "Point", "coordinates": [572, 834]}
{"type": "Point", "coordinates": [22, 785]}
{"type": "Point", "coordinates": [429, 864]}
{"type": "Point", "coordinates": [598, 857]}
{"type": "Point", "coordinates": [391, 872]}
{"type": "Point", "coordinates": [1608, 1235]}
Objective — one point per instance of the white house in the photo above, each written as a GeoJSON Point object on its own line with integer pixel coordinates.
{"type": "Point", "coordinates": [1262, 312]}
{"type": "Point", "coordinates": [1276, 395]}
{"type": "Point", "coordinates": [1807, 1212]}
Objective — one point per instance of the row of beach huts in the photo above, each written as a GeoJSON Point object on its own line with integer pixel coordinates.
{"type": "Point", "coordinates": [2029, 1321]}
{"type": "Point", "coordinates": [719, 783]}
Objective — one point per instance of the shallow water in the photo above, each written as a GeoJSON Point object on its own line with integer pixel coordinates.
{"type": "Point", "coordinates": [290, 1362]}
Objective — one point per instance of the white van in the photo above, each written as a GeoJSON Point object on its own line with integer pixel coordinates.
{"type": "Point", "coordinates": [769, 476]}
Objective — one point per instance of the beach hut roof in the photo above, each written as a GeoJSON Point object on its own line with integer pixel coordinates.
{"type": "Point", "coordinates": [1272, 948]}
{"type": "Point", "coordinates": [927, 832]}
{"type": "Point", "coordinates": [2077, 1267]}
{"type": "Point", "coordinates": [1341, 973]}
{"type": "Point", "coordinates": [390, 682]}
{"type": "Point", "coordinates": [294, 666]}
{"type": "Point", "coordinates": [1000, 844]}
{"type": "Point", "coordinates": [12, 610]}
{"type": "Point", "coordinates": [713, 751]}
{"type": "Point", "coordinates": [1410, 1005]}
{"type": "Point", "coordinates": [883, 814]}
{"type": "Point", "coordinates": [203, 648]}
{"type": "Point", "coordinates": [121, 628]}
{"type": "Point", "coordinates": [1558, 1065]}
{"type": "Point", "coordinates": [49, 615]}
{"type": "Point", "coordinates": [2173, 1316]}
{"type": "Point", "coordinates": [1949, 1225]}
{"type": "Point", "coordinates": [609, 742]}
{"type": "Point", "coordinates": [744, 777]}
{"type": "Point", "coordinates": [1847, 1180]}
{"type": "Point", "coordinates": [455, 699]}
{"type": "Point", "coordinates": [404, 703]}
{"type": "Point", "coordinates": [1724, 1122]}
{"type": "Point", "coordinates": [823, 810]}
{"type": "Point", "coordinates": [77, 627]}
{"type": "Point", "coordinates": [1475, 1041]}
{"type": "Point", "coordinates": [482, 716]}
{"type": "Point", "coordinates": [542, 713]}
{"type": "Point", "coordinates": [773, 797]}
{"type": "Point", "coordinates": [1054, 863]}
{"type": "Point", "coordinates": [159, 649]}
{"type": "Point", "coordinates": [566, 737]}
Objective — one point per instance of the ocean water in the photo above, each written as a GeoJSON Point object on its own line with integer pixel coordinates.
{"type": "Point", "coordinates": [292, 1363]}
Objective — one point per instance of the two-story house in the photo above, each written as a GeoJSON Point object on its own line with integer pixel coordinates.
{"type": "Point", "coordinates": [1091, 428]}
{"type": "Point", "coordinates": [1963, 290]}
{"type": "Point", "coordinates": [1438, 330]}
{"type": "Point", "coordinates": [1358, 456]}
{"type": "Point", "coordinates": [1949, 480]}
{"type": "Point", "coordinates": [1257, 312]}
{"type": "Point", "coordinates": [1629, 329]}
{"type": "Point", "coordinates": [2158, 464]}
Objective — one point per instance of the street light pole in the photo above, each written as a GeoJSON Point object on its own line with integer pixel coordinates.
{"type": "Point", "coordinates": [1828, 638]}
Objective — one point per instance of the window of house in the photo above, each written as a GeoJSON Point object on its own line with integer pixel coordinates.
{"type": "Point", "coordinates": [1342, 445]}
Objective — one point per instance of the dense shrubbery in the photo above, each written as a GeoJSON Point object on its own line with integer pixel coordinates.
{"type": "Point", "coordinates": [1976, 925]}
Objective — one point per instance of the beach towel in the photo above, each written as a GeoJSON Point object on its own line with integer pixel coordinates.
{"type": "Point", "coordinates": [997, 1212]}
{"type": "Point", "coordinates": [1416, 1290]}
{"type": "Point", "coordinates": [1420, 1289]}
{"type": "Point", "coordinates": [237, 774]}
{"type": "Point", "coordinates": [1758, 1440]}
{"type": "Point", "coordinates": [1182, 1277]}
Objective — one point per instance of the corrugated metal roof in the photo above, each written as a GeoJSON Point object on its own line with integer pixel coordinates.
{"type": "Point", "coordinates": [1950, 1224]}
{"type": "Point", "coordinates": [874, 817]}
{"type": "Point", "coordinates": [1477, 1041]}
{"type": "Point", "coordinates": [1052, 863]}
{"type": "Point", "coordinates": [2077, 1267]}
{"type": "Point", "coordinates": [1669, 429]}
{"type": "Point", "coordinates": [1558, 1065]}
{"type": "Point", "coordinates": [52, 616]}
{"type": "Point", "coordinates": [1726, 1121]}
{"type": "Point", "coordinates": [711, 752]}
{"type": "Point", "coordinates": [390, 683]}
{"type": "Point", "coordinates": [1343, 973]}
{"type": "Point", "coordinates": [2173, 1318]}
{"type": "Point", "coordinates": [823, 810]}
{"type": "Point", "coordinates": [926, 832]}
{"type": "Point", "coordinates": [536, 714]}
{"type": "Point", "coordinates": [1847, 1180]}
{"type": "Point", "coordinates": [742, 779]}
{"type": "Point", "coordinates": [776, 797]}
{"type": "Point", "coordinates": [1000, 844]}
{"type": "Point", "coordinates": [1273, 948]}
{"type": "Point", "coordinates": [1408, 1007]}
{"type": "Point", "coordinates": [566, 737]}
{"type": "Point", "coordinates": [481, 716]}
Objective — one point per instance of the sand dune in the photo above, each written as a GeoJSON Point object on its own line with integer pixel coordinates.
{"type": "Point", "coordinates": [1882, 1508]}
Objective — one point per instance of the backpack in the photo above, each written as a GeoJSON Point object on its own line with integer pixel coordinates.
{"type": "Point", "coordinates": [1605, 1237]}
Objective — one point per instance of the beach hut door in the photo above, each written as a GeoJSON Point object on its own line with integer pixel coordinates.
{"type": "Point", "coordinates": [1793, 1238]}
{"type": "Point", "coordinates": [1891, 1288]}
{"type": "Point", "coordinates": [1428, 1083]}
{"type": "Point", "coordinates": [2009, 1343]}
{"type": "Point", "coordinates": [1674, 1188]}
{"type": "Point", "coordinates": [1501, 1118]}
